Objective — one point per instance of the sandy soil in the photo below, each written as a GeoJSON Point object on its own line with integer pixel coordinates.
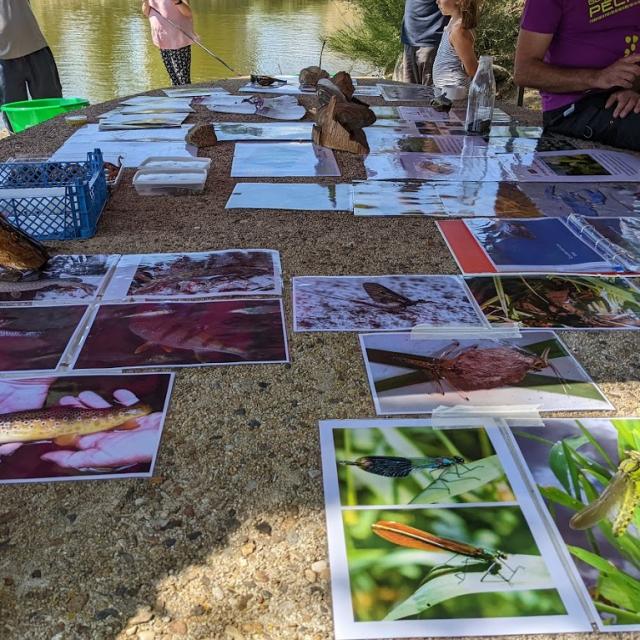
{"type": "Point", "coordinates": [228, 541]}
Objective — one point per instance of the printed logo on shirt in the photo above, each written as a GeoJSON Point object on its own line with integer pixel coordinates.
{"type": "Point", "coordinates": [601, 9]}
{"type": "Point", "coordinates": [632, 44]}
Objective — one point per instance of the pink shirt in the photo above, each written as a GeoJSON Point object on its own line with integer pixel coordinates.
{"type": "Point", "coordinates": [587, 34]}
{"type": "Point", "coordinates": [164, 35]}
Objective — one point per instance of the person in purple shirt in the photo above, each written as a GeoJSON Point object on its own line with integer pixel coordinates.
{"type": "Point", "coordinates": [584, 57]}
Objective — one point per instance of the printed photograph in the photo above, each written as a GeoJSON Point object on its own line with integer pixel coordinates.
{"type": "Point", "coordinates": [469, 199]}
{"type": "Point", "coordinates": [193, 275]}
{"type": "Point", "coordinates": [282, 159]}
{"type": "Point", "coordinates": [558, 301]}
{"type": "Point", "coordinates": [581, 164]}
{"type": "Point", "coordinates": [588, 472]}
{"type": "Point", "coordinates": [69, 278]}
{"type": "Point", "coordinates": [380, 303]}
{"type": "Point", "coordinates": [180, 334]}
{"type": "Point", "coordinates": [523, 245]}
{"type": "Point", "coordinates": [81, 427]}
{"type": "Point", "coordinates": [418, 465]}
{"type": "Point", "coordinates": [296, 196]}
{"type": "Point", "coordinates": [590, 200]}
{"type": "Point", "coordinates": [396, 198]}
{"type": "Point", "coordinates": [623, 236]}
{"type": "Point", "coordinates": [416, 376]}
{"type": "Point", "coordinates": [439, 564]}
{"type": "Point", "coordinates": [258, 131]}
{"type": "Point", "coordinates": [35, 338]}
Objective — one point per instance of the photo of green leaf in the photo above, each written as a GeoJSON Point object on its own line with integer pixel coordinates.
{"type": "Point", "coordinates": [508, 578]}
{"type": "Point", "coordinates": [429, 466]}
{"type": "Point", "coordinates": [574, 463]}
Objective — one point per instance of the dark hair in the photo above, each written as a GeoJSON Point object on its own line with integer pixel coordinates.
{"type": "Point", "coordinates": [469, 10]}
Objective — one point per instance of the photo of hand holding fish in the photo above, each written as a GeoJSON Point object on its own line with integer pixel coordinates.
{"type": "Point", "coordinates": [78, 427]}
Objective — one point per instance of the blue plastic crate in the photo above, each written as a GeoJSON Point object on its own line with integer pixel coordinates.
{"type": "Point", "coordinates": [54, 200]}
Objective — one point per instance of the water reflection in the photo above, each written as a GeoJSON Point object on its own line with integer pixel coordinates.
{"type": "Point", "coordinates": [103, 47]}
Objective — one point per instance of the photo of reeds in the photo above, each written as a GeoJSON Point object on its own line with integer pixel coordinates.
{"type": "Point", "coordinates": [592, 464]}
{"type": "Point", "coordinates": [557, 301]}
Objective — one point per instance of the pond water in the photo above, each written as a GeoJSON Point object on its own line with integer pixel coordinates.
{"type": "Point", "coordinates": [103, 47]}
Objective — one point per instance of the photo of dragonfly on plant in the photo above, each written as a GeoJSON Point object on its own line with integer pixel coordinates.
{"type": "Point", "coordinates": [418, 465]}
{"type": "Point", "coordinates": [588, 472]}
{"type": "Point", "coordinates": [416, 376]}
{"type": "Point", "coordinates": [557, 301]}
{"type": "Point", "coordinates": [381, 303]}
{"type": "Point", "coordinates": [468, 562]}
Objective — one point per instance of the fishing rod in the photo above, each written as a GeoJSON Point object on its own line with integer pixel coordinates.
{"type": "Point", "coordinates": [193, 39]}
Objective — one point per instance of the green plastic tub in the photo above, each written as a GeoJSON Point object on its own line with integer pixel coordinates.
{"type": "Point", "coordinates": [28, 113]}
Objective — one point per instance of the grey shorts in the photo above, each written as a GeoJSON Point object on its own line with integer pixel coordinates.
{"type": "Point", "coordinates": [34, 75]}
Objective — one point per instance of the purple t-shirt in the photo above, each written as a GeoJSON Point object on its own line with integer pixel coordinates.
{"type": "Point", "coordinates": [587, 34]}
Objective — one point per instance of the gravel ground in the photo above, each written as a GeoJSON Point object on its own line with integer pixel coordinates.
{"type": "Point", "coordinates": [228, 540]}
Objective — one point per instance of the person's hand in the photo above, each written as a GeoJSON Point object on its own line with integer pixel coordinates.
{"type": "Point", "coordinates": [110, 448]}
{"type": "Point", "coordinates": [622, 73]}
{"type": "Point", "coordinates": [21, 395]}
{"type": "Point", "coordinates": [627, 101]}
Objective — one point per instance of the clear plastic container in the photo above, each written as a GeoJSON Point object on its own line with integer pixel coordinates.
{"type": "Point", "coordinates": [177, 182]}
{"type": "Point", "coordinates": [176, 163]}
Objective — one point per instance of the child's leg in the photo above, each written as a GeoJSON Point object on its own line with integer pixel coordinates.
{"type": "Point", "coordinates": [168, 57]}
{"type": "Point", "coordinates": [183, 64]}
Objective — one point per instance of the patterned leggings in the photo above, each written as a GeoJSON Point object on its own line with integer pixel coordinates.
{"type": "Point", "coordinates": [178, 64]}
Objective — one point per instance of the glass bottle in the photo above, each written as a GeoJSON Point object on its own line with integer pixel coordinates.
{"type": "Point", "coordinates": [482, 96]}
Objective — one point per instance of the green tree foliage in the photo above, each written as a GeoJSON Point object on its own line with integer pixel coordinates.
{"type": "Point", "coordinates": [375, 37]}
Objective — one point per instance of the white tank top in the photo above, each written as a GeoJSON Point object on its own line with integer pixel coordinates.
{"type": "Point", "coordinates": [448, 70]}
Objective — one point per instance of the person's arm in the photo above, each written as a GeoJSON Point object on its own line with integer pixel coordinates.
{"type": "Point", "coordinates": [146, 9]}
{"type": "Point", "coordinates": [462, 41]}
{"type": "Point", "coordinates": [531, 70]}
{"type": "Point", "coordinates": [183, 7]}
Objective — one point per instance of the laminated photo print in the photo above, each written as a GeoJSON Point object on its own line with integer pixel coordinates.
{"type": "Point", "coordinates": [590, 200]}
{"type": "Point", "coordinates": [586, 471]}
{"type": "Point", "coordinates": [415, 555]}
{"type": "Point", "coordinates": [184, 334]}
{"type": "Point", "coordinates": [558, 301]}
{"type": "Point", "coordinates": [282, 159]}
{"type": "Point", "coordinates": [380, 303]}
{"type": "Point", "coordinates": [293, 196]}
{"type": "Point", "coordinates": [81, 427]}
{"type": "Point", "coordinates": [37, 338]}
{"type": "Point", "coordinates": [64, 279]}
{"type": "Point", "coordinates": [234, 272]}
{"type": "Point", "coordinates": [416, 374]}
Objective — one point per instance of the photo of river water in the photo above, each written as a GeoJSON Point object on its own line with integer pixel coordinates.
{"type": "Point", "coordinates": [103, 47]}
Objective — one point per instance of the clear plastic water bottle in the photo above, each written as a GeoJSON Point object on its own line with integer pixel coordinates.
{"type": "Point", "coordinates": [482, 96]}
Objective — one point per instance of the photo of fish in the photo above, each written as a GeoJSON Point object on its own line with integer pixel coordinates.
{"type": "Point", "coordinates": [35, 338]}
{"type": "Point", "coordinates": [196, 275]}
{"type": "Point", "coordinates": [416, 376]}
{"type": "Point", "coordinates": [184, 334]}
{"type": "Point", "coordinates": [64, 279]}
{"type": "Point", "coordinates": [76, 427]}
{"type": "Point", "coordinates": [380, 303]}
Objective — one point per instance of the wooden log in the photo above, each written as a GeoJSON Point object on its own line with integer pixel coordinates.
{"type": "Point", "coordinates": [19, 252]}
{"type": "Point", "coordinates": [328, 132]}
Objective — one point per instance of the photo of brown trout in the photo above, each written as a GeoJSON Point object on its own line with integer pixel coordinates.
{"type": "Point", "coordinates": [63, 423]}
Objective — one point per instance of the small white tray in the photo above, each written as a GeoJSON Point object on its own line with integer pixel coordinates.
{"type": "Point", "coordinates": [155, 182]}
{"type": "Point", "coordinates": [173, 163]}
